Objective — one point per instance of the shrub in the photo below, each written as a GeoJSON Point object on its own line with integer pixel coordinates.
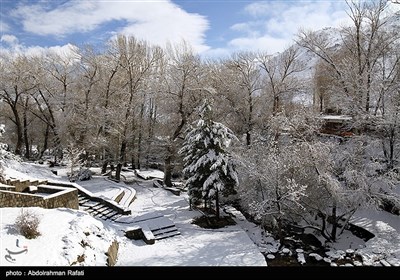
{"type": "Point", "coordinates": [27, 224]}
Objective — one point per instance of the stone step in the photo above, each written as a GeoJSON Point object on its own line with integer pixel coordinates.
{"type": "Point", "coordinates": [109, 210]}
{"type": "Point", "coordinates": [98, 206]}
{"type": "Point", "coordinates": [103, 209]}
{"type": "Point", "coordinates": [105, 215]}
{"type": "Point", "coordinates": [164, 229]}
{"type": "Point", "coordinates": [166, 232]}
{"type": "Point", "coordinates": [114, 216]}
{"type": "Point", "coordinates": [83, 201]}
{"type": "Point", "coordinates": [90, 203]}
{"type": "Point", "coordinates": [167, 235]}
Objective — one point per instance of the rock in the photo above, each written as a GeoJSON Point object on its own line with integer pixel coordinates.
{"type": "Point", "coordinates": [385, 263]}
{"type": "Point", "coordinates": [84, 175]}
{"type": "Point", "coordinates": [269, 239]}
{"type": "Point", "coordinates": [316, 256]}
{"type": "Point", "coordinates": [112, 253]}
{"type": "Point", "coordinates": [286, 251]}
{"type": "Point", "coordinates": [81, 175]}
{"type": "Point", "coordinates": [301, 259]}
{"type": "Point", "coordinates": [349, 251]}
{"type": "Point", "coordinates": [328, 260]}
{"type": "Point", "coordinates": [270, 257]}
{"type": "Point", "coordinates": [273, 250]}
{"type": "Point", "coordinates": [340, 252]}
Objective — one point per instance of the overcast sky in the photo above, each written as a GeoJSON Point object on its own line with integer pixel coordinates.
{"type": "Point", "coordinates": [212, 27]}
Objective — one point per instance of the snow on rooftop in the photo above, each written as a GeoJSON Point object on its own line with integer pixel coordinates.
{"type": "Point", "coordinates": [336, 117]}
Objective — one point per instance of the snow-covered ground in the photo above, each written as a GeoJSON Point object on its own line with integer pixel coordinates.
{"type": "Point", "coordinates": [67, 234]}
{"type": "Point", "coordinates": [385, 246]}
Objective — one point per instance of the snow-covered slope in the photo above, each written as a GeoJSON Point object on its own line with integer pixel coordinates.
{"type": "Point", "coordinates": [68, 237]}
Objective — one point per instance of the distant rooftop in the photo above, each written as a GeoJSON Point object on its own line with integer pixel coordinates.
{"type": "Point", "coordinates": [336, 118]}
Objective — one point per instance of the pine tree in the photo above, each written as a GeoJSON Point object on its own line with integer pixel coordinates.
{"type": "Point", "coordinates": [207, 162]}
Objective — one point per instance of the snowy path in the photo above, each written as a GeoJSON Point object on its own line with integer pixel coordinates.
{"type": "Point", "coordinates": [103, 186]}
{"type": "Point", "coordinates": [229, 246]}
{"type": "Point", "coordinates": [98, 186]}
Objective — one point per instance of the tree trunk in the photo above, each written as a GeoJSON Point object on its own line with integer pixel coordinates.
{"type": "Point", "coordinates": [321, 103]}
{"type": "Point", "coordinates": [104, 167]}
{"type": "Point", "coordinates": [58, 153]}
{"type": "Point", "coordinates": [275, 106]}
{"type": "Point", "coordinates": [133, 162]}
{"type": "Point", "coordinates": [18, 124]}
{"type": "Point", "coordinates": [25, 124]}
{"type": "Point", "coordinates": [168, 168]}
{"type": "Point", "coordinates": [250, 120]}
{"type": "Point", "coordinates": [152, 122]}
{"type": "Point", "coordinates": [280, 232]}
{"type": "Point", "coordinates": [139, 145]}
{"type": "Point", "coordinates": [217, 204]}
{"type": "Point", "coordinates": [118, 172]}
{"type": "Point", "coordinates": [391, 147]}
{"type": "Point", "coordinates": [121, 159]}
{"type": "Point", "coordinates": [334, 222]}
{"type": "Point", "coordinates": [248, 138]}
{"type": "Point", "coordinates": [45, 141]}
{"type": "Point", "coordinates": [323, 226]}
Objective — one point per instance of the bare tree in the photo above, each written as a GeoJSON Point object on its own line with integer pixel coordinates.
{"type": "Point", "coordinates": [16, 83]}
{"type": "Point", "coordinates": [182, 91]}
{"type": "Point", "coordinates": [281, 77]}
{"type": "Point", "coordinates": [247, 80]}
{"type": "Point", "coordinates": [136, 61]}
{"type": "Point", "coordinates": [354, 57]}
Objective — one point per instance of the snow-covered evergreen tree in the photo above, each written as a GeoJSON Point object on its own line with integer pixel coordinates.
{"type": "Point", "coordinates": [207, 162]}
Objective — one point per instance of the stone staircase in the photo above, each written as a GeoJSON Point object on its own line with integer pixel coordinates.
{"type": "Point", "coordinates": [150, 227]}
{"type": "Point", "coordinates": [162, 228]}
{"type": "Point", "coordinates": [98, 209]}
{"type": "Point", "coordinates": [166, 232]}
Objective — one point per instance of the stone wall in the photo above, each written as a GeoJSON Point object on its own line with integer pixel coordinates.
{"type": "Point", "coordinates": [62, 198]}
{"type": "Point", "coordinates": [15, 199]}
{"type": "Point", "coordinates": [68, 199]}
{"type": "Point", "coordinates": [21, 185]}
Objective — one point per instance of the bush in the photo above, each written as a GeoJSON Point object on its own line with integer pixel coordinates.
{"type": "Point", "coordinates": [27, 224]}
{"type": "Point", "coordinates": [81, 175]}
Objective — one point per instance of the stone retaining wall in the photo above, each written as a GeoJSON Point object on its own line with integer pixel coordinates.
{"type": "Point", "coordinates": [59, 197]}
